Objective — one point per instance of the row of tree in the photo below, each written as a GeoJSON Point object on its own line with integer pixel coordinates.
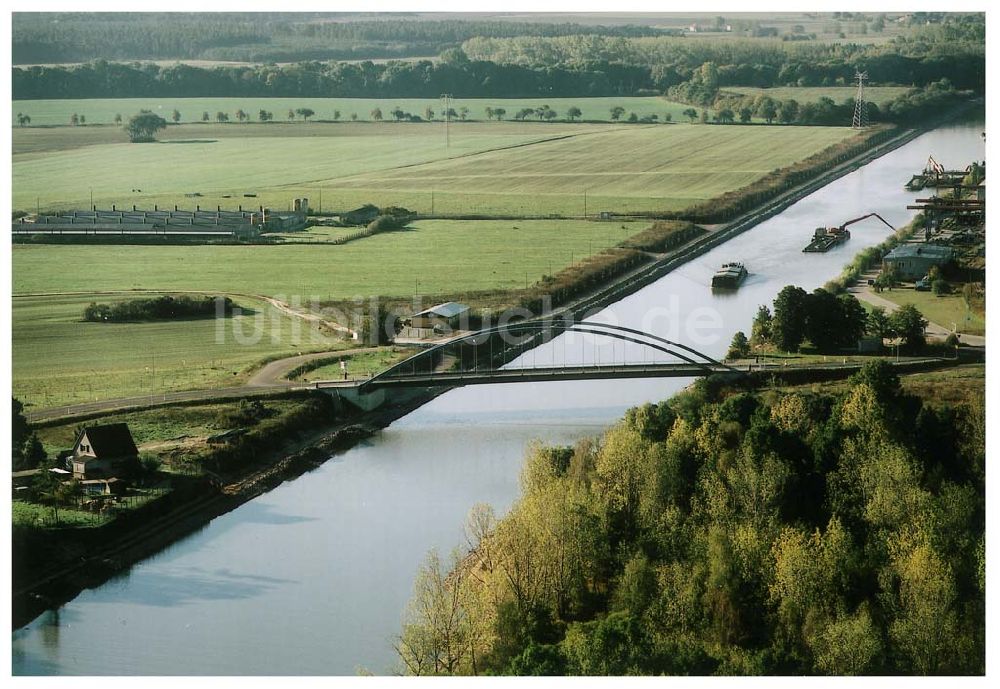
{"type": "Point", "coordinates": [165, 307]}
{"type": "Point", "coordinates": [728, 532]}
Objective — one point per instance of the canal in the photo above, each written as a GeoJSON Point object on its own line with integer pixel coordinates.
{"type": "Point", "coordinates": [312, 578]}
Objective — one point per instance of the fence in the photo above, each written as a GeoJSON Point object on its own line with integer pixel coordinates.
{"type": "Point", "coordinates": [84, 511]}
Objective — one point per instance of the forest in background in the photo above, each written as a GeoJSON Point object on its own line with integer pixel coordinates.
{"type": "Point", "coordinates": [687, 69]}
{"type": "Point", "coordinates": [263, 36]}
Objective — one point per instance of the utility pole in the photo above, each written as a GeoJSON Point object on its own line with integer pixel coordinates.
{"type": "Point", "coordinates": [860, 120]}
{"type": "Point", "coordinates": [446, 99]}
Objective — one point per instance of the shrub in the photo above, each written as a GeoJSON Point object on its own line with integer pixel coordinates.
{"type": "Point", "coordinates": [247, 413]}
{"type": "Point", "coordinates": [941, 287]}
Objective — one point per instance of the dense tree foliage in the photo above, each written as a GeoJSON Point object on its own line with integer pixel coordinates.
{"type": "Point", "coordinates": [727, 532]}
{"type": "Point", "coordinates": [43, 37]}
{"type": "Point", "coordinates": [159, 308]}
{"type": "Point", "coordinates": [143, 126]}
{"type": "Point", "coordinates": [830, 322]}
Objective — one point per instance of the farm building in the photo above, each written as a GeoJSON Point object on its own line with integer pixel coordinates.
{"type": "Point", "coordinates": [912, 261]}
{"type": "Point", "coordinates": [239, 224]}
{"type": "Point", "coordinates": [103, 451]}
{"type": "Point", "coordinates": [435, 320]}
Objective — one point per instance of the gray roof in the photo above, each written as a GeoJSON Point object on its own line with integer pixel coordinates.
{"type": "Point", "coordinates": [922, 250]}
{"type": "Point", "coordinates": [449, 309]}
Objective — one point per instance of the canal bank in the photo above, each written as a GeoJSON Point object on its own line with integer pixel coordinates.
{"type": "Point", "coordinates": [311, 577]}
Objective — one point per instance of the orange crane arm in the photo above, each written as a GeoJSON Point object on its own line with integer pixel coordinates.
{"type": "Point", "coordinates": [854, 220]}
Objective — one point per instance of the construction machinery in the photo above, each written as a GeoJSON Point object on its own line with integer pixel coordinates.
{"type": "Point", "coordinates": [825, 238]}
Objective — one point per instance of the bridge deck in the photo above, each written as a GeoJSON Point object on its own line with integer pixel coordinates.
{"type": "Point", "coordinates": [526, 375]}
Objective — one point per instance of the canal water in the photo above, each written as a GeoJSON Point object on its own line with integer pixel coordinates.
{"type": "Point", "coordinates": [313, 577]}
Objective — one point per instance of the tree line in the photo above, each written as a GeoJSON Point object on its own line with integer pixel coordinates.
{"type": "Point", "coordinates": [728, 532]}
{"type": "Point", "coordinates": [954, 49]}
{"type": "Point", "coordinates": [260, 36]}
{"type": "Point", "coordinates": [158, 309]}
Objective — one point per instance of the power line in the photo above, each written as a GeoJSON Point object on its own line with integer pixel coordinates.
{"type": "Point", "coordinates": [446, 97]}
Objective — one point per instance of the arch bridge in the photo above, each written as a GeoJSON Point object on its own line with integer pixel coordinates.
{"type": "Point", "coordinates": [485, 357]}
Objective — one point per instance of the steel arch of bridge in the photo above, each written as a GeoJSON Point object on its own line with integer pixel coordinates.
{"type": "Point", "coordinates": [619, 332]}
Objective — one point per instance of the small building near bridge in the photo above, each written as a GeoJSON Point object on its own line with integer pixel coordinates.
{"type": "Point", "coordinates": [435, 320]}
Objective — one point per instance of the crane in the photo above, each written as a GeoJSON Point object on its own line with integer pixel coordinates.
{"type": "Point", "coordinates": [843, 228]}
{"type": "Point", "coordinates": [825, 238]}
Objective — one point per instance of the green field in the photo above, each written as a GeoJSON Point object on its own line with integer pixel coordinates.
{"type": "Point", "coordinates": [629, 169]}
{"type": "Point", "coordinates": [60, 359]}
{"type": "Point", "coordinates": [946, 310]}
{"type": "Point", "coordinates": [490, 168]}
{"type": "Point", "coordinates": [103, 110]}
{"type": "Point", "coordinates": [286, 161]}
{"type": "Point", "coordinates": [435, 256]}
{"type": "Point", "coordinates": [811, 94]}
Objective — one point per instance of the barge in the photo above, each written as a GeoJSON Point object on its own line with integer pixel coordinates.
{"type": "Point", "coordinates": [729, 276]}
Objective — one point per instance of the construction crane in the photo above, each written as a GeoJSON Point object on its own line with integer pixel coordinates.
{"type": "Point", "coordinates": [825, 238]}
{"type": "Point", "coordinates": [843, 227]}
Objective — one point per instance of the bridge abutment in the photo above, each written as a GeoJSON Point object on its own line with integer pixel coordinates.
{"type": "Point", "coordinates": [363, 400]}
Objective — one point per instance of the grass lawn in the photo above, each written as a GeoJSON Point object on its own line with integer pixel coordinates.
{"type": "Point", "coordinates": [26, 514]}
{"type": "Point", "coordinates": [358, 365]}
{"type": "Point", "coordinates": [491, 168]}
{"type": "Point", "coordinates": [60, 359]}
{"type": "Point", "coordinates": [812, 94]}
{"type": "Point", "coordinates": [945, 310]}
{"type": "Point", "coordinates": [432, 257]}
{"type": "Point", "coordinates": [103, 110]}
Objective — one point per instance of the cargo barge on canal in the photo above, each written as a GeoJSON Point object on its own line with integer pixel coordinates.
{"type": "Point", "coordinates": [729, 276]}
{"type": "Point", "coordinates": [825, 238]}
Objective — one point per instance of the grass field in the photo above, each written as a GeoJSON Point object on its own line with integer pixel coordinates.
{"type": "Point", "coordinates": [219, 161]}
{"type": "Point", "coordinates": [811, 94]}
{"type": "Point", "coordinates": [60, 359]}
{"type": "Point", "coordinates": [490, 168]}
{"type": "Point", "coordinates": [433, 256]}
{"type": "Point", "coordinates": [946, 310]}
{"type": "Point", "coordinates": [629, 169]}
{"type": "Point", "coordinates": [103, 110]}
